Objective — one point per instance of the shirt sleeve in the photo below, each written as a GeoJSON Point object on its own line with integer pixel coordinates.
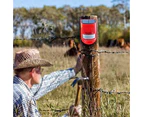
{"type": "Point", "coordinates": [26, 109]}
{"type": "Point", "coordinates": [52, 81]}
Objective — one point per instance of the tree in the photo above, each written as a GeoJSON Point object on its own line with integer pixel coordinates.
{"type": "Point", "coordinates": [123, 6]}
{"type": "Point", "coordinates": [103, 14]}
{"type": "Point", "coordinates": [115, 17]}
{"type": "Point", "coordinates": [49, 21]}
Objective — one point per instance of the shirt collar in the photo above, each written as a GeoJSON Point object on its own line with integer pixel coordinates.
{"type": "Point", "coordinates": [18, 80]}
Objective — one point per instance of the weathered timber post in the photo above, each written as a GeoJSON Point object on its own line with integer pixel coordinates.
{"type": "Point", "coordinates": [91, 67]}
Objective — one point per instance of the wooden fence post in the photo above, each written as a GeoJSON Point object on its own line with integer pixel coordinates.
{"type": "Point", "coordinates": [91, 66]}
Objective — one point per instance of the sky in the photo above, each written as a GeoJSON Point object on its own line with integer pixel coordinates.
{"type": "Point", "coordinates": [60, 3]}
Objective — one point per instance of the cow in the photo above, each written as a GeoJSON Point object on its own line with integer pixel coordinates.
{"type": "Point", "coordinates": [71, 43]}
{"type": "Point", "coordinates": [74, 49]}
{"type": "Point", "coordinates": [120, 42]}
{"type": "Point", "coordinates": [126, 46]}
{"type": "Point", "coordinates": [111, 43]}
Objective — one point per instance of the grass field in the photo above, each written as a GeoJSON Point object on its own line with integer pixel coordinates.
{"type": "Point", "coordinates": [114, 74]}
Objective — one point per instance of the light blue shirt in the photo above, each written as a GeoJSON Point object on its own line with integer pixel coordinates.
{"type": "Point", "coordinates": [24, 98]}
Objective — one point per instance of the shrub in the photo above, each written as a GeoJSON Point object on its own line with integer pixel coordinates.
{"type": "Point", "coordinates": [22, 43]}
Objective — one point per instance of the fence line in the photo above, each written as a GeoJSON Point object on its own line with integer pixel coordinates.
{"type": "Point", "coordinates": [105, 106]}
{"type": "Point", "coordinates": [95, 90]}
{"type": "Point", "coordinates": [104, 51]}
{"type": "Point", "coordinates": [111, 92]}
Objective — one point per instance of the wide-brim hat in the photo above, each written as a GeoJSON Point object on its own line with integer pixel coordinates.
{"type": "Point", "coordinates": [29, 58]}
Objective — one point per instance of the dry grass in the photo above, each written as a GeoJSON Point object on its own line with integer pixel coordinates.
{"type": "Point", "coordinates": [115, 74]}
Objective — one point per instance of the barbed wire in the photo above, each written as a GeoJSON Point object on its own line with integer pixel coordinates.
{"type": "Point", "coordinates": [55, 110]}
{"type": "Point", "coordinates": [111, 92]}
{"type": "Point", "coordinates": [102, 52]}
{"type": "Point", "coordinates": [113, 52]}
{"type": "Point", "coordinates": [95, 90]}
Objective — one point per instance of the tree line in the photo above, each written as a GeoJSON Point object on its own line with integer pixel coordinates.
{"type": "Point", "coordinates": [50, 22]}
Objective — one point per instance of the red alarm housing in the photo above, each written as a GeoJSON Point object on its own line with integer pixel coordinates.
{"type": "Point", "coordinates": [88, 31]}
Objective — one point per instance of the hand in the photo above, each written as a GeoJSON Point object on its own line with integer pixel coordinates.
{"type": "Point", "coordinates": [78, 65]}
{"type": "Point", "coordinates": [75, 111]}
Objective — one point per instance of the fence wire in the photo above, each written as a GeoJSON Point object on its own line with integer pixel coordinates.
{"type": "Point", "coordinates": [93, 53]}
{"type": "Point", "coordinates": [113, 104]}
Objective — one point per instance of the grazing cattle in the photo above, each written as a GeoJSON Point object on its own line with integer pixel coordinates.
{"type": "Point", "coordinates": [121, 42]}
{"type": "Point", "coordinates": [74, 49]}
{"type": "Point", "coordinates": [71, 43]}
{"type": "Point", "coordinates": [71, 52]}
{"type": "Point", "coordinates": [118, 42]}
{"type": "Point", "coordinates": [111, 43]}
{"type": "Point", "coordinates": [126, 46]}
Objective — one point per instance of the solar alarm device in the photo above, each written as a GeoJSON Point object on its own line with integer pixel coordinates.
{"type": "Point", "coordinates": [88, 31]}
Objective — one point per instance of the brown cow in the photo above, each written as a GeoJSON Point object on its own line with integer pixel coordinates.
{"type": "Point", "coordinates": [74, 49]}
{"type": "Point", "coordinates": [71, 52]}
{"type": "Point", "coordinates": [121, 42]}
{"type": "Point", "coordinates": [125, 45]}
{"type": "Point", "coordinates": [71, 43]}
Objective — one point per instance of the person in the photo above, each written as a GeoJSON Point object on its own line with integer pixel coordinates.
{"type": "Point", "coordinates": [28, 86]}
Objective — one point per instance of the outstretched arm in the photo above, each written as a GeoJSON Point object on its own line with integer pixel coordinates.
{"type": "Point", "coordinates": [55, 79]}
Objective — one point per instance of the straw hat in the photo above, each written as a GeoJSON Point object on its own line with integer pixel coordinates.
{"type": "Point", "coordinates": [29, 58]}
